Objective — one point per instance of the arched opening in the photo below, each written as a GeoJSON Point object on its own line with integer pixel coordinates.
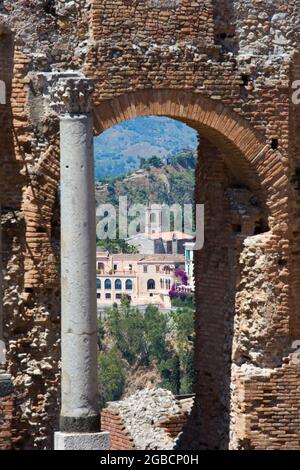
{"type": "Point", "coordinates": [118, 284]}
{"type": "Point", "coordinates": [151, 162]}
{"type": "Point", "coordinates": [151, 284]}
{"type": "Point", "coordinates": [107, 284]}
{"type": "Point", "coordinates": [233, 182]}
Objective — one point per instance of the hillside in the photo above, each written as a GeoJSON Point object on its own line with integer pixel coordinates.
{"type": "Point", "coordinates": [120, 149]}
{"type": "Point", "coordinates": [154, 182]}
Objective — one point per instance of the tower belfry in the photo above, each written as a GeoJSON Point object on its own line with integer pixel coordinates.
{"type": "Point", "coordinates": [154, 219]}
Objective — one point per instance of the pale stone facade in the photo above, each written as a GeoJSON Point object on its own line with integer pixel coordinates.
{"type": "Point", "coordinates": [145, 279]}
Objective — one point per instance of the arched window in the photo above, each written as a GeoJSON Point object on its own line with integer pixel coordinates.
{"type": "Point", "coordinates": [107, 284]}
{"type": "Point", "coordinates": [151, 284]}
{"type": "Point", "coordinates": [98, 283]}
{"type": "Point", "coordinates": [129, 284]}
{"type": "Point", "coordinates": [118, 284]}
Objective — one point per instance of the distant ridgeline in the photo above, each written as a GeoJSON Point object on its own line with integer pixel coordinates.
{"type": "Point", "coordinates": [157, 181]}
{"type": "Point", "coordinates": [119, 150]}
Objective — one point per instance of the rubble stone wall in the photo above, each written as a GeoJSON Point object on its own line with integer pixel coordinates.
{"type": "Point", "coordinates": [225, 67]}
{"type": "Point", "coordinates": [151, 419]}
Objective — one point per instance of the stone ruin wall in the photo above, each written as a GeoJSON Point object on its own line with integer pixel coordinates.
{"type": "Point", "coordinates": [150, 419]}
{"type": "Point", "coordinates": [240, 54]}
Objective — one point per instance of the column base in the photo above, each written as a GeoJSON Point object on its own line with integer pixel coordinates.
{"type": "Point", "coordinates": [82, 441]}
{"type": "Point", "coordinates": [80, 424]}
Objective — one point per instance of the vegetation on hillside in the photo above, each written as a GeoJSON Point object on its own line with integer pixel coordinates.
{"type": "Point", "coordinates": [131, 339]}
{"type": "Point", "coordinates": [160, 182]}
{"type": "Point", "coordinates": [156, 183]}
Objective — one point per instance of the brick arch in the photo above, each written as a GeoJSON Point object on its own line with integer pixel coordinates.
{"type": "Point", "coordinates": [246, 151]}
{"type": "Point", "coordinates": [227, 138]}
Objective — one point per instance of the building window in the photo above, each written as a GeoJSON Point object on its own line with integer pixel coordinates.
{"type": "Point", "coordinates": [145, 269]}
{"type": "Point", "coordinates": [107, 284]}
{"type": "Point", "coordinates": [151, 284]}
{"type": "Point", "coordinates": [98, 295]}
{"type": "Point", "coordinates": [118, 296]}
{"type": "Point", "coordinates": [153, 217]}
{"type": "Point", "coordinates": [115, 267]}
{"type": "Point", "coordinates": [168, 284]}
{"type": "Point", "coordinates": [161, 283]}
{"type": "Point", "coordinates": [98, 283]}
{"type": "Point", "coordinates": [100, 267]}
{"type": "Point", "coordinates": [118, 284]}
{"type": "Point", "coordinates": [129, 284]}
{"type": "Point", "coordinates": [130, 267]}
{"type": "Point", "coordinates": [108, 296]}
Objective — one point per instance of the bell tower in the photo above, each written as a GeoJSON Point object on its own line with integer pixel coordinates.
{"type": "Point", "coordinates": [154, 219]}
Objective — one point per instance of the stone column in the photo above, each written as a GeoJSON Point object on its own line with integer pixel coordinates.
{"type": "Point", "coordinates": [80, 415]}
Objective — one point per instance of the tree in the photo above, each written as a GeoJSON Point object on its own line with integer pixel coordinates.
{"type": "Point", "coordinates": [152, 161]}
{"type": "Point", "coordinates": [155, 331]}
{"type": "Point", "coordinates": [183, 321]}
{"type": "Point", "coordinates": [112, 375]}
{"type": "Point", "coordinates": [126, 325]}
{"type": "Point", "coordinates": [155, 161]}
{"type": "Point", "coordinates": [188, 376]}
{"type": "Point", "coordinates": [171, 375]}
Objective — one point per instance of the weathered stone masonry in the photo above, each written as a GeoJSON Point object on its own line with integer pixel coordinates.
{"type": "Point", "coordinates": [224, 67]}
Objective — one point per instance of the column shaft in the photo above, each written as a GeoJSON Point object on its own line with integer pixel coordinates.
{"type": "Point", "coordinates": [80, 411]}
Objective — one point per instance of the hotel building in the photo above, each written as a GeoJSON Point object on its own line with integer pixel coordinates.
{"type": "Point", "coordinates": [145, 279]}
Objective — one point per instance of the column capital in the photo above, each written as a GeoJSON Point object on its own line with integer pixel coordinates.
{"type": "Point", "coordinates": [67, 92]}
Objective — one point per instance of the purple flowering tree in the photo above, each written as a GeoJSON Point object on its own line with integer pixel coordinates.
{"type": "Point", "coordinates": [175, 291]}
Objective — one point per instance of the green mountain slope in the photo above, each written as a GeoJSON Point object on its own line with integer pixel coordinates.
{"type": "Point", "coordinates": [154, 182]}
